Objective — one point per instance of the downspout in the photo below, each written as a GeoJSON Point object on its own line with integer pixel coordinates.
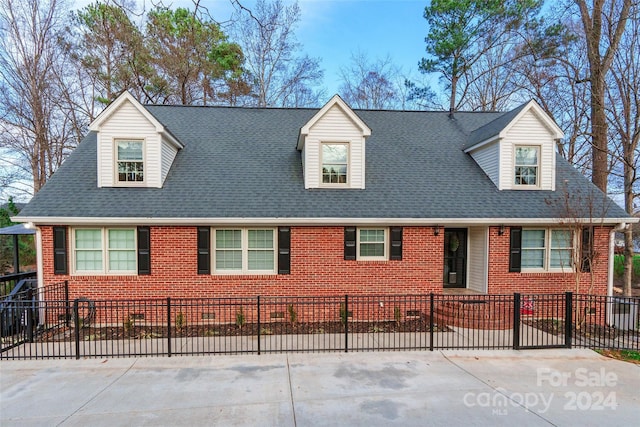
{"type": "Point", "coordinates": [612, 236]}
{"type": "Point", "coordinates": [40, 271]}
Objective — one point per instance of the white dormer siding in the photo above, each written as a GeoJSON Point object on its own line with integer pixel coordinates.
{"type": "Point", "coordinates": [169, 152]}
{"type": "Point", "coordinates": [488, 158]}
{"type": "Point", "coordinates": [127, 123]}
{"type": "Point", "coordinates": [335, 124]}
{"type": "Point", "coordinates": [531, 129]}
{"type": "Point", "coordinates": [125, 119]}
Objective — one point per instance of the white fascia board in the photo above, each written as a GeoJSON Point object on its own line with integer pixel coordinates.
{"type": "Point", "coordinates": [481, 144]}
{"type": "Point", "coordinates": [172, 139]}
{"type": "Point", "coordinates": [444, 222]}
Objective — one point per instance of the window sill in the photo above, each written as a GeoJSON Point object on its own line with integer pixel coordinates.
{"type": "Point", "coordinates": [244, 273]}
{"type": "Point", "coordinates": [536, 271]}
{"type": "Point", "coordinates": [99, 273]}
{"type": "Point", "coordinates": [525, 187]}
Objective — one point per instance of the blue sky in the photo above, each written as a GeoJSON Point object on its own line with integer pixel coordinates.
{"type": "Point", "coordinates": [334, 29]}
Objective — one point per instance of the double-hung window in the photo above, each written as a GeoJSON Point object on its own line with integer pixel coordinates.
{"type": "Point", "coordinates": [101, 251]}
{"type": "Point", "coordinates": [372, 244]}
{"type": "Point", "coordinates": [335, 163]}
{"type": "Point", "coordinates": [130, 161]}
{"type": "Point", "coordinates": [527, 166]}
{"type": "Point", "coordinates": [244, 250]}
{"type": "Point", "coordinates": [547, 249]}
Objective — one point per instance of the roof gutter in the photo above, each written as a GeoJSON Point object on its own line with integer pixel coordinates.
{"type": "Point", "coordinates": [444, 222]}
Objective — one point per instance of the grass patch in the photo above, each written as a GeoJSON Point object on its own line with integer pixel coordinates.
{"type": "Point", "coordinates": [632, 356]}
{"type": "Point", "coordinates": [618, 266]}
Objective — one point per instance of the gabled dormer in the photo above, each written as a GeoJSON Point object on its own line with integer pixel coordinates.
{"type": "Point", "coordinates": [134, 148]}
{"type": "Point", "coordinates": [333, 147]}
{"type": "Point", "coordinates": [517, 151]}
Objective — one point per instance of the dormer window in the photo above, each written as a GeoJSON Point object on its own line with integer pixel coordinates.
{"type": "Point", "coordinates": [333, 148]}
{"type": "Point", "coordinates": [527, 165]}
{"type": "Point", "coordinates": [335, 163]}
{"type": "Point", "coordinates": [130, 161]}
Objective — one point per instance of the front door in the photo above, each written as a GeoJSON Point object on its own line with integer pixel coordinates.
{"type": "Point", "coordinates": [455, 258]}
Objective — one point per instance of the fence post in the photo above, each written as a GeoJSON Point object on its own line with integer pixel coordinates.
{"type": "Point", "coordinates": [568, 311]}
{"type": "Point", "coordinates": [258, 304]}
{"type": "Point", "coordinates": [431, 324]}
{"type": "Point", "coordinates": [67, 311]}
{"type": "Point", "coordinates": [516, 321]}
{"type": "Point", "coordinates": [30, 307]}
{"type": "Point", "coordinates": [76, 325]}
{"type": "Point", "coordinates": [169, 326]}
{"type": "Point", "coordinates": [345, 319]}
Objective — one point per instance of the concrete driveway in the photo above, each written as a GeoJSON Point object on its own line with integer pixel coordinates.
{"type": "Point", "coordinates": [521, 388]}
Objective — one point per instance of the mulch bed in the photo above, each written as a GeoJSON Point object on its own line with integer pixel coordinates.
{"type": "Point", "coordinates": [250, 329]}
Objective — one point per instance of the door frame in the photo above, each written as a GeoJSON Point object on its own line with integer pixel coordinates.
{"type": "Point", "coordinates": [461, 276]}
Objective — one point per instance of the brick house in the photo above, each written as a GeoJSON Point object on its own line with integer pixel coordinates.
{"type": "Point", "coordinates": [193, 201]}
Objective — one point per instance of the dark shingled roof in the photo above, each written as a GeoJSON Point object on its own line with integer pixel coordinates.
{"type": "Point", "coordinates": [243, 163]}
{"type": "Point", "coordinates": [493, 128]}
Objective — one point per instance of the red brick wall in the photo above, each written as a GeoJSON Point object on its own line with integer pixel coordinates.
{"type": "Point", "coordinates": [502, 281]}
{"type": "Point", "coordinates": [317, 268]}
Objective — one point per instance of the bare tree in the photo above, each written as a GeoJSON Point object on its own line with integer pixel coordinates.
{"type": "Point", "coordinates": [490, 84]}
{"type": "Point", "coordinates": [553, 80]}
{"type": "Point", "coordinates": [281, 75]}
{"type": "Point", "coordinates": [623, 108]}
{"type": "Point", "coordinates": [370, 84]}
{"type": "Point", "coordinates": [33, 126]}
{"type": "Point", "coordinates": [582, 213]}
{"type": "Point", "coordinates": [603, 22]}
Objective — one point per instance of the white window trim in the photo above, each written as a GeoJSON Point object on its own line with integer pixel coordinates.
{"type": "Point", "coordinates": [538, 175]}
{"type": "Point", "coordinates": [145, 172]}
{"type": "Point", "coordinates": [245, 252]}
{"type": "Point", "coordinates": [385, 257]}
{"type": "Point", "coordinates": [546, 268]}
{"type": "Point", "coordinates": [349, 168]}
{"type": "Point", "coordinates": [105, 253]}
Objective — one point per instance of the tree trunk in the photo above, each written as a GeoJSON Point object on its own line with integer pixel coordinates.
{"type": "Point", "coordinates": [629, 174]}
{"type": "Point", "coordinates": [454, 88]}
{"type": "Point", "coordinates": [599, 141]}
{"type": "Point", "coordinates": [628, 261]}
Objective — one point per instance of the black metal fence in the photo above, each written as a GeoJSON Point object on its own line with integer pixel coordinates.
{"type": "Point", "coordinates": [9, 281]}
{"type": "Point", "coordinates": [181, 326]}
{"type": "Point", "coordinates": [27, 312]}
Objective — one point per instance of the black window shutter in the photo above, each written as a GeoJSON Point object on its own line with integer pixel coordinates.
{"type": "Point", "coordinates": [515, 249]}
{"type": "Point", "coordinates": [60, 250]}
{"type": "Point", "coordinates": [350, 243]}
{"type": "Point", "coordinates": [586, 249]}
{"type": "Point", "coordinates": [284, 250]}
{"type": "Point", "coordinates": [396, 244]}
{"type": "Point", "coordinates": [144, 251]}
{"type": "Point", "coordinates": [204, 250]}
